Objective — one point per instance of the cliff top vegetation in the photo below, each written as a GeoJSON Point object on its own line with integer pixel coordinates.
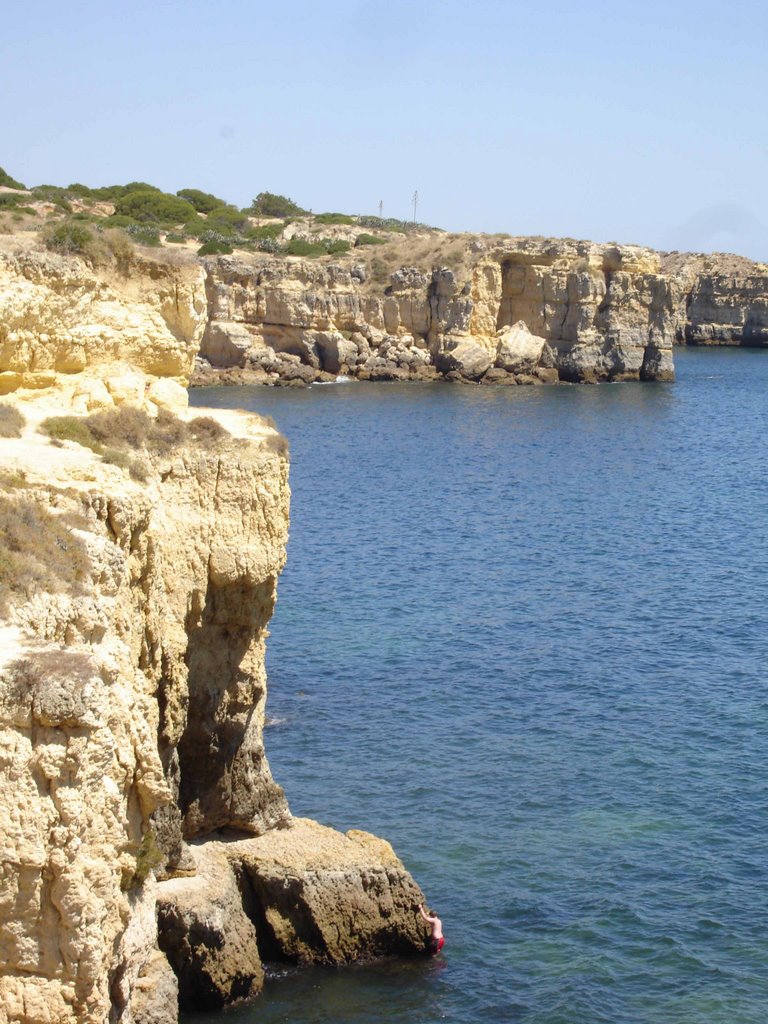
{"type": "Point", "coordinates": [106, 221]}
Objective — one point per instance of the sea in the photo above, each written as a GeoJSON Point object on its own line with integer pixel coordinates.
{"type": "Point", "coordinates": [523, 635]}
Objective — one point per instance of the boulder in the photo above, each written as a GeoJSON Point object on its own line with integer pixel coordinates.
{"type": "Point", "coordinates": [226, 343]}
{"type": "Point", "coordinates": [322, 896]}
{"type": "Point", "coordinates": [206, 935]}
{"type": "Point", "coordinates": [335, 351]}
{"type": "Point", "coordinates": [517, 350]}
{"type": "Point", "coordinates": [468, 356]}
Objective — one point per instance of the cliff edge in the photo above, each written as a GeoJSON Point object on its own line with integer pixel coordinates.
{"type": "Point", "coordinates": [149, 859]}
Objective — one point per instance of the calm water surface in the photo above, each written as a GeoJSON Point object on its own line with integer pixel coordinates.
{"type": "Point", "coordinates": [522, 634]}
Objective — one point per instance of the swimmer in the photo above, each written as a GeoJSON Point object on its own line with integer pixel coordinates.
{"type": "Point", "coordinates": [436, 941]}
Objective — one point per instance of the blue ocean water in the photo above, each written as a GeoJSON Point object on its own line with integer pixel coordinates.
{"type": "Point", "coordinates": [522, 634]}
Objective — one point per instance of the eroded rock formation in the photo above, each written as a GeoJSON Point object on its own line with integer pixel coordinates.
{"type": "Point", "coordinates": [134, 610]}
{"type": "Point", "coordinates": [132, 691]}
{"type": "Point", "coordinates": [721, 299]}
{"type": "Point", "coordinates": [578, 312]}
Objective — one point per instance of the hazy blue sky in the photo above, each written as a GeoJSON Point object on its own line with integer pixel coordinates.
{"type": "Point", "coordinates": [634, 122]}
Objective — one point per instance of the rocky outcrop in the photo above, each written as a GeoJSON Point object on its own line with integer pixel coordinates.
{"type": "Point", "coordinates": [725, 310]}
{"type": "Point", "coordinates": [132, 694]}
{"type": "Point", "coordinates": [601, 313]}
{"type": "Point", "coordinates": [301, 893]}
{"type": "Point", "coordinates": [60, 315]}
{"type": "Point", "coordinates": [720, 299]}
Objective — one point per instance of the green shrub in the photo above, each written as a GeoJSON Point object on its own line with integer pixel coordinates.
{"type": "Point", "coordinates": [196, 227]}
{"type": "Point", "coordinates": [70, 428]}
{"type": "Point", "coordinates": [148, 856]}
{"type": "Point", "coordinates": [215, 247]}
{"type": "Point", "coordinates": [383, 223]}
{"type": "Point", "coordinates": [81, 190]}
{"type": "Point", "coordinates": [269, 204]}
{"type": "Point", "coordinates": [265, 231]}
{"type": "Point", "coordinates": [393, 224]}
{"type": "Point", "coordinates": [334, 218]}
{"type": "Point", "coordinates": [11, 421]}
{"type": "Point", "coordinates": [320, 247]}
{"type": "Point", "coordinates": [8, 181]}
{"type": "Point", "coordinates": [125, 426]}
{"type": "Point", "coordinates": [110, 193]}
{"type": "Point", "coordinates": [365, 239]}
{"type": "Point", "coordinates": [53, 194]}
{"type": "Point", "coordinates": [175, 237]}
{"type": "Point", "coordinates": [300, 247]}
{"type": "Point", "coordinates": [97, 244]}
{"type": "Point", "coordinates": [9, 201]}
{"type": "Point", "coordinates": [270, 245]}
{"type": "Point", "coordinates": [143, 234]}
{"type": "Point", "coordinates": [119, 220]}
{"type": "Point", "coordinates": [224, 224]}
{"type": "Point", "coordinates": [160, 207]}
{"type": "Point", "coordinates": [229, 215]}
{"type": "Point", "coordinates": [69, 237]}
{"type": "Point", "coordinates": [203, 202]}
{"type": "Point", "coordinates": [120, 435]}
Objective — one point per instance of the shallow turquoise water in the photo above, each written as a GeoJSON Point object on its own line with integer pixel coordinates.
{"type": "Point", "coordinates": [522, 634]}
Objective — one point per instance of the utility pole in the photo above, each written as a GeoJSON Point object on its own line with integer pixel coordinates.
{"type": "Point", "coordinates": [415, 202]}
{"type": "Point", "coordinates": [381, 209]}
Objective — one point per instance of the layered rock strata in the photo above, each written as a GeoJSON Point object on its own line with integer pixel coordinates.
{"type": "Point", "coordinates": [61, 316]}
{"type": "Point", "coordinates": [132, 691]}
{"type": "Point", "coordinates": [720, 299]}
{"type": "Point", "coordinates": [521, 312]}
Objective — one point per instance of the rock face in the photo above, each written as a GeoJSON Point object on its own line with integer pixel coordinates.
{"type": "Point", "coordinates": [301, 893]}
{"type": "Point", "coordinates": [58, 315]}
{"type": "Point", "coordinates": [132, 692]}
{"type": "Point", "coordinates": [720, 299]}
{"type": "Point", "coordinates": [602, 313]}
{"type": "Point", "coordinates": [723, 310]}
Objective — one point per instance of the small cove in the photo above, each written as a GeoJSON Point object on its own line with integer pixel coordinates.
{"type": "Point", "coordinates": [522, 635]}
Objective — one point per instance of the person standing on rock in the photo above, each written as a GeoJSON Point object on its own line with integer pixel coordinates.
{"type": "Point", "coordinates": [435, 942]}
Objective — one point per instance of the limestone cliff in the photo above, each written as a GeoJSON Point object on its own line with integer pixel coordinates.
{"type": "Point", "coordinates": [60, 315]}
{"type": "Point", "coordinates": [721, 299]}
{"type": "Point", "coordinates": [519, 311]}
{"type": "Point", "coordinates": [137, 589]}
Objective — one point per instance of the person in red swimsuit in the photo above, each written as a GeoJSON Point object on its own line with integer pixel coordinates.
{"type": "Point", "coordinates": [436, 941]}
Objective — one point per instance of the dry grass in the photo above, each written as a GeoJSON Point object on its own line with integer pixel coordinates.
{"type": "Point", "coordinates": [70, 428]}
{"type": "Point", "coordinates": [118, 434]}
{"type": "Point", "coordinates": [127, 427]}
{"type": "Point", "coordinates": [99, 247]}
{"type": "Point", "coordinates": [37, 667]}
{"type": "Point", "coordinates": [125, 436]}
{"type": "Point", "coordinates": [277, 444]}
{"type": "Point", "coordinates": [10, 479]}
{"type": "Point", "coordinates": [206, 430]}
{"type": "Point", "coordinates": [136, 466]}
{"type": "Point", "coordinates": [425, 252]}
{"type": "Point", "coordinates": [38, 551]}
{"type": "Point", "coordinates": [11, 421]}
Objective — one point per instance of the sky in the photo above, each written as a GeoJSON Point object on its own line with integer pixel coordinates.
{"type": "Point", "coordinates": [617, 121]}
